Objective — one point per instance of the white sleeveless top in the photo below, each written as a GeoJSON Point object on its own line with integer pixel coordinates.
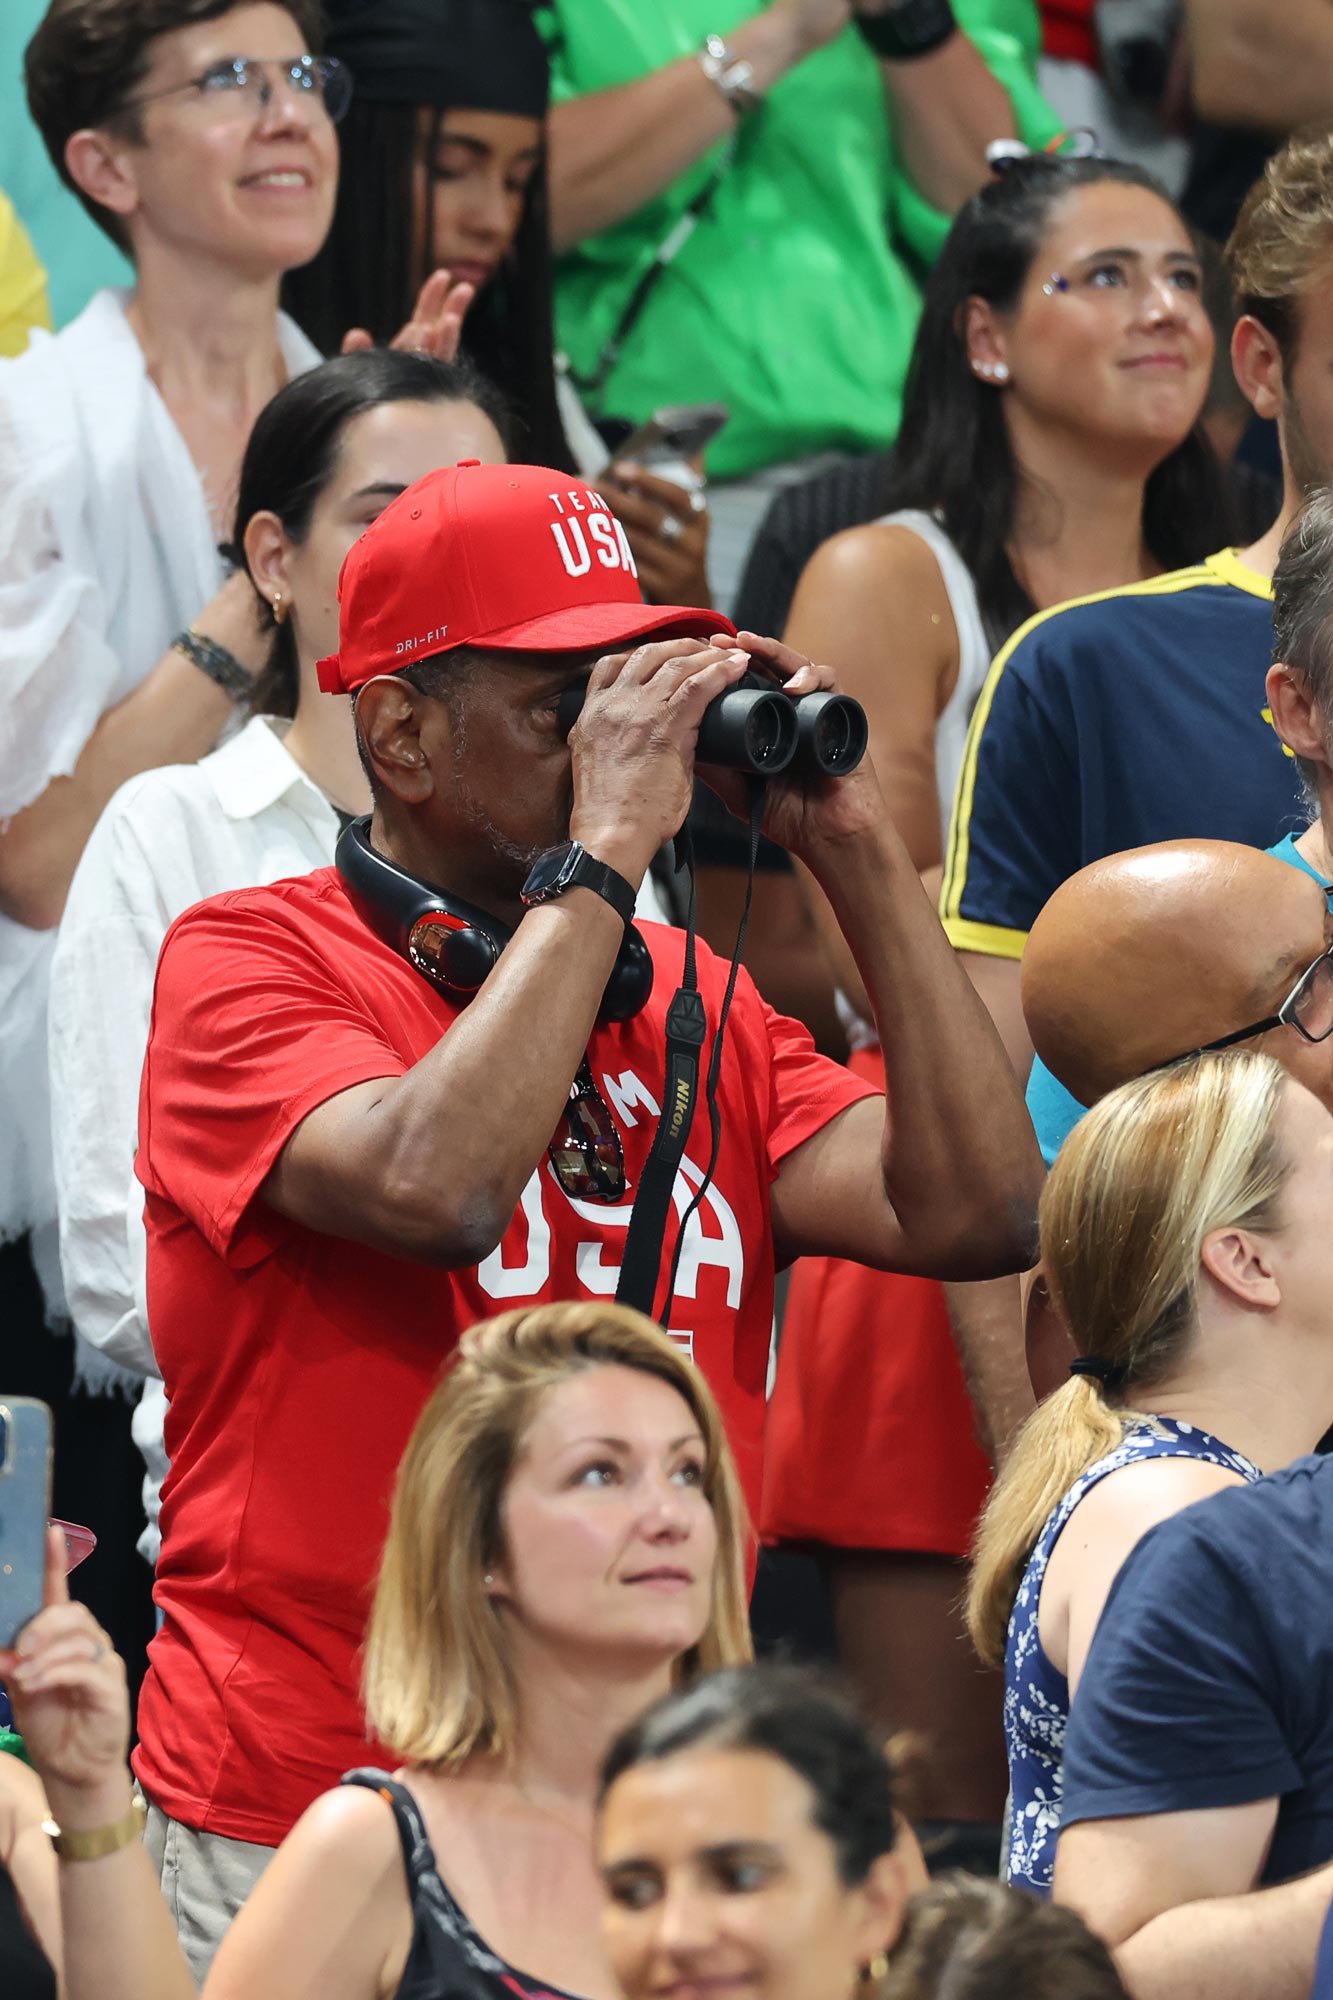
{"type": "Point", "coordinates": [974, 653]}
{"type": "Point", "coordinates": [974, 658]}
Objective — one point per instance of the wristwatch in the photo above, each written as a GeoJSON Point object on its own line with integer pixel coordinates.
{"type": "Point", "coordinates": [572, 867]}
{"type": "Point", "coordinates": [903, 30]}
{"type": "Point", "coordinates": [730, 74]}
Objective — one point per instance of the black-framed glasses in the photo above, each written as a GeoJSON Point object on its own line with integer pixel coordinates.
{"type": "Point", "coordinates": [1308, 1008]}
{"type": "Point", "coordinates": [586, 1154]}
{"type": "Point", "coordinates": [248, 82]}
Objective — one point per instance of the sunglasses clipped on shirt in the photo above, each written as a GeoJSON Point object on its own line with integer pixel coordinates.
{"type": "Point", "coordinates": [586, 1154]}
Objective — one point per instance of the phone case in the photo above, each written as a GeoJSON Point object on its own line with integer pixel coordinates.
{"type": "Point", "coordinates": [25, 1507]}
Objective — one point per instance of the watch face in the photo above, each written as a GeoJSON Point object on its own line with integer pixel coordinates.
{"type": "Point", "coordinates": [547, 872]}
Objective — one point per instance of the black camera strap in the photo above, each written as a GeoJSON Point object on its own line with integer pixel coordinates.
{"type": "Point", "coordinates": [641, 1264]}
{"type": "Point", "coordinates": [591, 384]}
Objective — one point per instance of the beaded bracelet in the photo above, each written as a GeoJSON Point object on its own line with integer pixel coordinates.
{"type": "Point", "coordinates": [222, 667]}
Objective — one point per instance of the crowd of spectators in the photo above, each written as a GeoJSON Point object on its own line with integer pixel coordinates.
{"type": "Point", "coordinates": [418, 420]}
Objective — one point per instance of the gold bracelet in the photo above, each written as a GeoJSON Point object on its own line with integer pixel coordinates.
{"type": "Point", "coordinates": [98, 1840]}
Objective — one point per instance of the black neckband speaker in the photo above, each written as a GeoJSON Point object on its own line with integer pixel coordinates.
{"type": "Point", "coordinates": [453, 944]}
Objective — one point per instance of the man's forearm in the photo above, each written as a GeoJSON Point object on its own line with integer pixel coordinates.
{"type": "Point", "coordinates": [960, 1158]}
{"type": "Point", "coordinates": [1267, 68]}
{"type": "Point", "coordinates": [444, 1151]}
{"type": "Point", "coordinates": [987, 1325]}
{"type": "Point", "coordinates": [1232, 1948]}
{"type": "Point", "coordinates": [944, 110]}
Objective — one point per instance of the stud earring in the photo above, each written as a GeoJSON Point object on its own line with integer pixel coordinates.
{"type": "Point", "coordinates": [877, 1969]}
{"type": "Point", "coordinates": [279, 609]}
{"type": "Point", "coordinates": [1000, 372]}
{"type": "Point", "coordinates": [488, 1579]}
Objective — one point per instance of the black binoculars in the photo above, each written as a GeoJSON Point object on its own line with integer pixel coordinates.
{"type": "Point", "coordinates": [758, 727]}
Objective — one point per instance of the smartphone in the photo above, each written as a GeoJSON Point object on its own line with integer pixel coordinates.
{"type": "Point", "coordinates": [25, 1507]}
{"type": "Point", "coordinates": [671, 438]}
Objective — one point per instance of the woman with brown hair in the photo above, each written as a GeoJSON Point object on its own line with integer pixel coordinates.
{"type": "Point", "coordinates": [567, 1540]}
{"type": "Point", "coordinates": [1186, 1243]}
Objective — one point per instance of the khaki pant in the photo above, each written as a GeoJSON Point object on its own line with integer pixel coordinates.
{"type": "Point", "coordinates": [205, 1878]}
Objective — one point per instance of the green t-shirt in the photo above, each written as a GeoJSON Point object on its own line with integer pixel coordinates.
{"type": "Point", "coordinates": [795, 300]}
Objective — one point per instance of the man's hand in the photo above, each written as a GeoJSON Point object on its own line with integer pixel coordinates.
{"type": "Point", "coordinates": [633, 745]}
{"type": "Point", "coordinates": [803, 811]}
{"type": "Point", "coordinates": [436, 325]}
{"type": "Point", "coordinates": [667, 532]}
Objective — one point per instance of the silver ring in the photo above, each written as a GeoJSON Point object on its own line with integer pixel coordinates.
{"type": "Point", "coordinates": [99, 1647]}
{"type": "Point", "coordinates": [669, 529]}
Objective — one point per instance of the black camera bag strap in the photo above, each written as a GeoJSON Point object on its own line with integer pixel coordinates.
{"type": "Point", "coordinates": [641, 1265]}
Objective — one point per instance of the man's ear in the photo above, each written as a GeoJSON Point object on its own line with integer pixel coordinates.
{"type": "Point", "coordinates": [1239, 1263]}
{"type": "Point", "coordinates": [1295, 713]}
{"type": "Point", "coordinates": [1257, 361]}
{"type": "Point", "coordinates": [102, 167]}
{"type": "Point", "coordinates": [389, 714]}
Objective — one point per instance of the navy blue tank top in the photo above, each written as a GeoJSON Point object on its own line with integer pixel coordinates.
{"type": "Point", "coordinates": [1036, 1696]}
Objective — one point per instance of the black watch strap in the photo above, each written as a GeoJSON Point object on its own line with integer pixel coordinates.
{"type": "Point", "coordinates": [903, 30]}
{"type": "Point", "coordinates": [586, 873]}
{"type": "Point", "coordinates": [581, 870]}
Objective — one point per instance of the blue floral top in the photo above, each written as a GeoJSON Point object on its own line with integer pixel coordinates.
{"type": "Point", "coordinates": [1036, 1697]}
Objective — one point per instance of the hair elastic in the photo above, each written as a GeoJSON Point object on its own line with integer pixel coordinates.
{"type": "Point", "coordinates": [1109, 1373]}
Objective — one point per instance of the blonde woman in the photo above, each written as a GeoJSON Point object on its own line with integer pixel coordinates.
{"type": "Point", "coordinates": [567, 1541]}
{"type": "Point", "coordinates": [1187, 1240]}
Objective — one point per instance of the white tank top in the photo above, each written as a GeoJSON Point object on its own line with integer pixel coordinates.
{"type": "Point", "coordinates": [974, 654]}
{"type": "Point", "coordinates": [974, 658]}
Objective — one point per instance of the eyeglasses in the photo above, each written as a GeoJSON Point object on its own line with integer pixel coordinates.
{"type": "Point", "coordinates": [586, 1154]}
{"type": "Point", "coordinates": [247, 83]}
{"type": "Point", "coordinates": [1308, 1008]}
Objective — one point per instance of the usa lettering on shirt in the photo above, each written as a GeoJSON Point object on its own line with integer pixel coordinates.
{"type": "Point", "coordinates": [514, 1272]}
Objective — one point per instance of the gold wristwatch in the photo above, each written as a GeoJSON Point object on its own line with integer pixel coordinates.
{"type": "Point", "coordinates": [97, 1841]}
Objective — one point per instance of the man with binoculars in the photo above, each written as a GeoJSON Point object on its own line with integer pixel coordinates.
{"type": "Point", "coordinates": [390, 1098]}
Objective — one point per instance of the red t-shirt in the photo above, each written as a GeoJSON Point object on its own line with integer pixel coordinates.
{"type": "Point", "coordinates": [297, 1363]}
{"type": "Point", "coordinates": [1066, 30]}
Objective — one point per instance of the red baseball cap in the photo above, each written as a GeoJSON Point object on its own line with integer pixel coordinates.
{"type": "Point", "coordinates": [513, 558]}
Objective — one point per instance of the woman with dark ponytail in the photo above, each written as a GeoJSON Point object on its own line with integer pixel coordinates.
{"type": "Point", "coordinates": [1187, 1242]}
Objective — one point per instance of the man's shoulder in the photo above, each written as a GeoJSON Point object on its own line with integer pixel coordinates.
{"type": "Point", "coordinates": [307, 904]}
{"type": "Point", "coordinates": [1139, 621]}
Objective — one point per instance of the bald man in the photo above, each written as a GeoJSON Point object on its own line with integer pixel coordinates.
{"type": "Point", "coordinates": [1148, 955]}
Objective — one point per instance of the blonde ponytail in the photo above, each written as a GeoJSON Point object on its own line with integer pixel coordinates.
{"type": "Point", "coordinates": [1153, 1169]}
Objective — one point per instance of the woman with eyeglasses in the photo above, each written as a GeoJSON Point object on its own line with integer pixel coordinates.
{"type": "Point", "coordinates": [567, 1542]}
{"type": "Point", "coordinates": [1049, 448]}
{"type": "Point", "coordinates": [1187, 1242]}
{"type": "Point", "coordinates": [325, 456]}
